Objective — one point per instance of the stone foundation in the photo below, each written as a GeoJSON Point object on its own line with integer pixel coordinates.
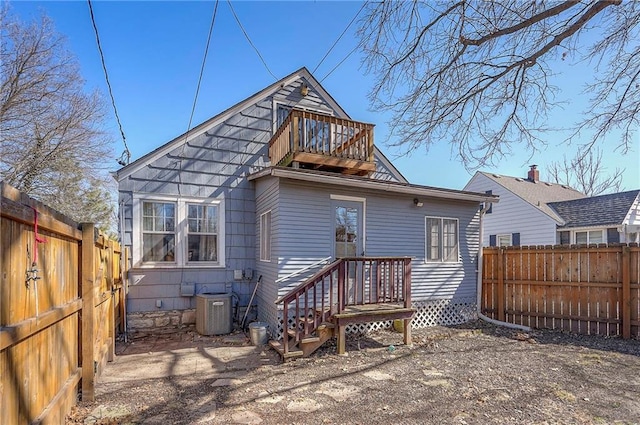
{"type": "Point", "coordinates": [161, 321]}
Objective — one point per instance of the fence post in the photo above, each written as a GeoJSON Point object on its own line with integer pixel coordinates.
{"type": "Point", "coordinates": [500, 295]}
{"type": "Point", "coordinates": [88, 309]}
{"type": "Point", "coordinates": [626, 293]}
{"type": "Point", "coordinates": [112, 303]}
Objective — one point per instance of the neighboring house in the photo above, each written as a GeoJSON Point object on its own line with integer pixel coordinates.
{"type": "Point", "coordinates": [270, 190]}
{"type": "Point", "coordinates": [610, 218]}
{"type": "Point", "coordinates": [535, 212]}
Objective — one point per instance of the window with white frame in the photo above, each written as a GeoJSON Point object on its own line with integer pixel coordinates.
{"type": "Point", "coordinates": [282, 112]}
{"type": "Point", "coordinates": [504, 240]}
{"type": "Point", "coordinates": [441, 239]}
{"type": "Point", "coordinates": [179, 232]}
{"type": "Point", "coordinates": [202, 233]}
{"type": "Point", "coordinates": [265, 236]}
{"type": "Point", "coordinates": [158, 231]}
{"type": "Point", "coordinates": [588, 237]}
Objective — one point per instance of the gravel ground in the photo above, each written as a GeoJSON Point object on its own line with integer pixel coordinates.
{"type": "Point", "coordinates": [474, 374]}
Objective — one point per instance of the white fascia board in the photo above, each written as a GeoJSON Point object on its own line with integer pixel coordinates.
{"type": "Point", "coordinates": [377, 185]}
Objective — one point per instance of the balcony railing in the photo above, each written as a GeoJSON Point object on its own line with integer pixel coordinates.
{"type": "Point", "coordinates": [323, 142]}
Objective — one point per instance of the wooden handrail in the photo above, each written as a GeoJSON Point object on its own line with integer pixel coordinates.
{"type": "Point", "coordinates": [287, 298]}
{"type": "Point", "coordinates": [345, 282]}
{"type": "Point", "coordinates": [311, 132]}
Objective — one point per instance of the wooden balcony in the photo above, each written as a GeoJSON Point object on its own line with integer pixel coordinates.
{"type": "Point", "coordinates": [322, 142]}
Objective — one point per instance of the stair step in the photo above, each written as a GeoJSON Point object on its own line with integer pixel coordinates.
{"type": "Point", "coordinates": [326, 325]}
{"type": "Point", "coordinates": [277, 345]}
{"type": "Point", "coordinates": [303, 339]}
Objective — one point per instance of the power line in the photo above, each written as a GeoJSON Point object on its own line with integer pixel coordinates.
{"type": "Point", "coordinates": [204, 60]}
{"type": "Point", "coordinates": [339, 38]}
{"type": "Point", "coordinates": [340, 63]}
{"type": "Point", "coordinates": [126, 155]}
{"type": "Point", "coordinates": [249, 40]}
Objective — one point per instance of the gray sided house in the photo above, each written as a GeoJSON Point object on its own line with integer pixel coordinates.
{"type": "Point", "coordinates": [268, 193]}
{"type": "Point", "coordinates": [535, 212]}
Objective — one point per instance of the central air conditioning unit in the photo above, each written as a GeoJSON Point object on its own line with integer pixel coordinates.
{"type": "Point", "coordinates": [214, 314]}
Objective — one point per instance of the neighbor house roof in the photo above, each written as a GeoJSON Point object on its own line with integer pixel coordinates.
{"type": "Point", "coordinates": [372, 184]}
{"type": "Point", "coordinates": [213, 121]}
{"type": "Point", "coordinates": [537, 193]}
{"type": "Point", "coordinates": [603, 210]}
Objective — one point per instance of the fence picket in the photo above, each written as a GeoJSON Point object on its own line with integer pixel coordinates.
{"type": "Point", "coordinates": [39, 319]}
{"type": "Point", "coordinates": [586, 289]}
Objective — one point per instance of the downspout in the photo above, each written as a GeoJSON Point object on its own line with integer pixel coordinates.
{"type": "Point", "coordinates": [479, 291]}
{"type": "Point", "coordinates": [123, 261]}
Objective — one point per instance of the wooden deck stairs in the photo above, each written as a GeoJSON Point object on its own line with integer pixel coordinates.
{"type": "Point", "coordinates": [347, 291]}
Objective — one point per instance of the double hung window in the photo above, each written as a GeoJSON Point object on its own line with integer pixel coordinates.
{"type": "Point", "coordinates": [265, 236]}
{"type": "Point", "coordinates": [158, 231]}
{"type": "Point", "coordinates": [441, 239]}
{"type": "Point", "coordinates": [180, 232]}
{"type": "Point", "coordinates": [202, 233]}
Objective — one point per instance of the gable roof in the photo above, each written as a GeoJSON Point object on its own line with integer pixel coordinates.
{"type": "Point", "coordinates": [201, 128]}
{"type": "Point", "coordinates": [603, 210]}
{"type": "Point", "coordinates": [360, 182]}
{"type": "Point", "coordinates": [536, 193]}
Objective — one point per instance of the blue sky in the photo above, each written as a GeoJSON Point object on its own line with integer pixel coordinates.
{"type": "Point", "coordinates": [153, 51]}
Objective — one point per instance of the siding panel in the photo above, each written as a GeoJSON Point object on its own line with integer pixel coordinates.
{"type": "Point", "coordinates": [513, 215]}
{"type": "Point", "coordinates": [393, 227]}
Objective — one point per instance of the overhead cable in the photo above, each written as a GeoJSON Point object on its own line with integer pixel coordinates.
{"type": "Point", "coordinates": [126, 155]}
{"type": "Point", "coordinates": [341, 62]}
{"type": "Point", "coordinates": [340, 37]}
{"type": "Point", "coordinates": [249, 39]}
{"type": "Point", "coordinates": [204, 60]}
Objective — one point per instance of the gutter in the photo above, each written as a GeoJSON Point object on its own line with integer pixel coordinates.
{"type": "Point", "coordinates": [479, 285]}
{"type": "Point", "coordinates": [376, 185]}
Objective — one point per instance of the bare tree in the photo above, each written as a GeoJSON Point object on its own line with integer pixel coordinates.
{"type": "Point", "coordinates": [586, 173]}
{"type": "Point", "coordinates": [478, 74]}
{"type": "Point", "coordinates": [51, 140]}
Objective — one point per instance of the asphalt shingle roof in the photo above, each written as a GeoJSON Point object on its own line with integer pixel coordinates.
{"type": "Point", "coordinates": [600, 210]}
{"type": "Point", "coordinates": [537, 193]}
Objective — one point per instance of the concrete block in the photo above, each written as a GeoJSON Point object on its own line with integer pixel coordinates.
{"type": "Point", "coordinates": [161, 322]}
{"type": "Point", "coordinates": [139, 322]}
{"type": "Point", "coordinates": [188, 317]}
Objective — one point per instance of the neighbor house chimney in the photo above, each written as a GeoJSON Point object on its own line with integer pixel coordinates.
{"type": "Point", "coordinates": [534, 174]}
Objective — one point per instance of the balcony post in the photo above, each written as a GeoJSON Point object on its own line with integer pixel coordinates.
{"type": "Point", "coordinates": [295, 132]}
{"type": "Point", "coordinates": [370, 144]}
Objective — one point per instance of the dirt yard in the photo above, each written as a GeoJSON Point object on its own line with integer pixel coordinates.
{"type": "Point", "coordinates": [476, 374]}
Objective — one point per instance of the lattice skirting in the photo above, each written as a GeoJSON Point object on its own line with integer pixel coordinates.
{"type": "Point", "coordinates": [429, 313]}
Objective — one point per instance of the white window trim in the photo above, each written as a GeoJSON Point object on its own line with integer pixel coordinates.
{"type": "Point", "coordinates": [509, 235]}
{"type": "Point", "coordinates": [181, 232]}
{"type": "Point", "coordinates": [573, 231]}
{"type": "Point", "coordinates": [441, 247]}
{"type": "Point", "coordinates": [266, 260]}
{"type": "Point", "coordinates": [293, 105]}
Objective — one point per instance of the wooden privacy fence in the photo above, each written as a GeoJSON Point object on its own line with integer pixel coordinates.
{"type": "Point", "coordinates": [591, 289]}
{"type": "Point", "coordinates": [61, 303]}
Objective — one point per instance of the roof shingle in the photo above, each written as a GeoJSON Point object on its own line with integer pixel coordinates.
{"type": "Point", "coordinates": [537, 193]}
{"type": "Point", "coordinates": [603, 210]}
